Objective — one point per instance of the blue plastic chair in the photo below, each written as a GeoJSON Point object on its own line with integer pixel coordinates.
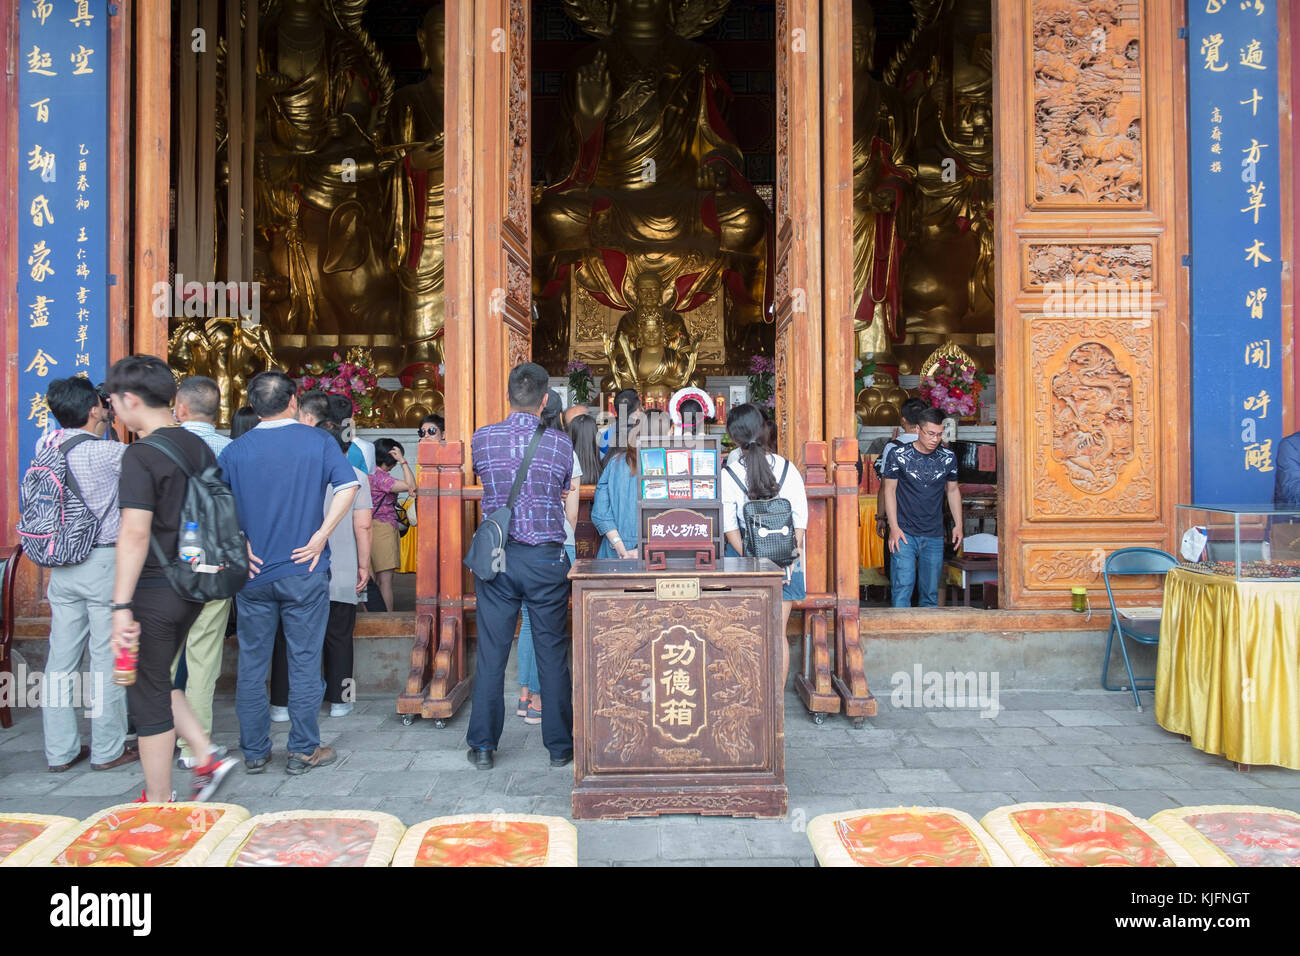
{"type": "Point", "coordinates": [1132, 561]}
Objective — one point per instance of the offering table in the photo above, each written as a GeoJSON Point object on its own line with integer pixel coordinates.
{"type": "Point", "coordinates": [676, 707]}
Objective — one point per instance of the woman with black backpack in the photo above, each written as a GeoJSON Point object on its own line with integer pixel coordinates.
{"type": "Point", "coordinates": [765, 510]}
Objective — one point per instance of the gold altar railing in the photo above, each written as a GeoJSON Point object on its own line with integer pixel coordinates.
{"type": "Point", "coordinates": [439, 679]}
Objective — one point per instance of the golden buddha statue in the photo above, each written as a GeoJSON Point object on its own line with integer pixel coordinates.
{"type": "Point", "coordinates": [416, 194]}
{"type": "Point", "coordinates": [651, 351]}
{"type": "Point", "coordinates": [317, 189]}
{"type": "Point", "coordinates": [645, 176]}
{"type": "Point", "coordinates": [947, 275]}
{"type": "Point", "coordinates": [880, 180]}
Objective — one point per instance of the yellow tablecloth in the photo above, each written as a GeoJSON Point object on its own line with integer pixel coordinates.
{"type": "Point", "coordinates": [871, 547]}
{"type": "Point", "coordinates": [1228, 667]}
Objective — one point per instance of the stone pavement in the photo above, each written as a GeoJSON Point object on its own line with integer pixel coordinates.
{"type": "Point", "coordinates": [1043, 745]}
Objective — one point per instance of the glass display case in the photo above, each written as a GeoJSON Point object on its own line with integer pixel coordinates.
{"type": "Point", "coordinates": [1245, 542]}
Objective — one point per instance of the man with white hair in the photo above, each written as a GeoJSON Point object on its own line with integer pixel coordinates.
{"type": "Point", "coordinates": [196, 405]}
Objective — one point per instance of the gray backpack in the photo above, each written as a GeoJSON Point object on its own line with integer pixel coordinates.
{"type": "Point", "coordinates": [767, 525]}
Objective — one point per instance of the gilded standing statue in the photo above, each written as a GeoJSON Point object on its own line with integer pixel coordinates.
{"type": "Point", "coordinates": [415, 131]}
{"type": "Point", "coordinates": [881, 178]}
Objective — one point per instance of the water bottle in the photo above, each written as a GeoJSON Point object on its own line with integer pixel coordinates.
{"type": "Point", "coordinates": [190, 552]}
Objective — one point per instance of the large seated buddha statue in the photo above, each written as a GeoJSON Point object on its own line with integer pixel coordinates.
{"type": "Point", "coordinates": [644, 175]}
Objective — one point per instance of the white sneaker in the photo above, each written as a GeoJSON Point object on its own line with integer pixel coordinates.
{"type": "Point", "coordinates": [279, 715]}
{"type": "Point", "coordinates": [189, 763]}
{"type": "Point", "coordinates": [341, 710]}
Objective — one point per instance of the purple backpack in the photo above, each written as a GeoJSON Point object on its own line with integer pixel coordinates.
{"type": "Point", "coordinates": [57, 528]}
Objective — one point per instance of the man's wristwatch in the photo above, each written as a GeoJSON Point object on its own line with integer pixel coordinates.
{"type": "Point", "coordinates": [120, 607]}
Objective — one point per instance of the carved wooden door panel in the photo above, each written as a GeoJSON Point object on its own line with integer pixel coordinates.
{"type": "Point", "coordinates": [502, 205]}
{"type": "Point", "coordinates": [1093, 447]}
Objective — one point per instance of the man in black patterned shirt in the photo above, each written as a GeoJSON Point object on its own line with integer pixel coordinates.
{"type": "Point", "coordinates": [917, 477]}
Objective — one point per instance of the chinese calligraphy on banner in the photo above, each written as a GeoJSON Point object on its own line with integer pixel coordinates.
{"type": "Point", "coordinates": [1236, 242]}
{"type": "Point", "coordinates": [62, 63]}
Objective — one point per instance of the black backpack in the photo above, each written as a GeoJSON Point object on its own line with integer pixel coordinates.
{"type": "Point", "coordinates": [767, 525]}
{"type": "Point", "coordinates": [57, 528]}
{"type": "Point", "coordinates": [210, 504]}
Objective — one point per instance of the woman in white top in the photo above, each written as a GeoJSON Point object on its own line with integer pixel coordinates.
{"type": "Point", "coordinates": [759, 474]}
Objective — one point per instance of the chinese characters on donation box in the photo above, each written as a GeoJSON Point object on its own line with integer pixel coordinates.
{"type": "Point", "coordinates": [1236, 244]}
{"type": "Point", "coordinates": [62, 65]}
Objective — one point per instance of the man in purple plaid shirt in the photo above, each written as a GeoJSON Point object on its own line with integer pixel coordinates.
{"type": "Point", "coordinates": [536, 569]}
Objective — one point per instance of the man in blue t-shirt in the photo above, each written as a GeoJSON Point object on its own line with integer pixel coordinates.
{"type": "Point", "coordinates": [916, 479]}
{"type": "Point", "coordinates": [278, 473]}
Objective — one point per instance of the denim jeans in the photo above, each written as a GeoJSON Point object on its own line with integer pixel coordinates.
{"type": "Point", "coordinates": [79, 596]}
{"type": "Point", "coordinates": [540, 572]}
{"type": "Point", "coordinates": [916, 563]}
{"type": "Point", "coordinates": [526, 658]}
{"type": "Point", "coordinates": [301, 604]}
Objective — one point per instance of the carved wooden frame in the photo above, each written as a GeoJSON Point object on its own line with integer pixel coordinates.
{"type": "Point", "coordinates": [1056, 549]}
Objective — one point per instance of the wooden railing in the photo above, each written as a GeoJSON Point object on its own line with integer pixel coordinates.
{"type": "Point", "coordinates": [832, 676]}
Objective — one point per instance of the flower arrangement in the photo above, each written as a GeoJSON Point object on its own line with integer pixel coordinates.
{"type": "Point", "coordinates": [954, 387]}
{"type": "Point", "coordinates": [581, 382]}
{"type": "Point", "coordinates": [344, 377]}
{"type": "Point", "coordinates": [762, 370]}
{"type": "Point", "coordinates": [863, 374]}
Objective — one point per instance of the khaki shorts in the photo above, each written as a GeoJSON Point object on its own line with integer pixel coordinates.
{"type": "Point", "coordinates": [385, 547]}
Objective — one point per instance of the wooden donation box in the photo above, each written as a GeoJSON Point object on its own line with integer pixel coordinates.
{"type": "Point", "coordinates": [676, 706]}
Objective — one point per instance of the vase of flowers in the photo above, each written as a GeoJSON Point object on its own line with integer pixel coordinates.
{"type": "Point", "coordinates": [762, 371]}
{"type": "Point", "coordinates": [581, 382]}
{"type": "Point", "coordinates": [953, 386]}
{"type": "Point", "coordinates": [351, 377]}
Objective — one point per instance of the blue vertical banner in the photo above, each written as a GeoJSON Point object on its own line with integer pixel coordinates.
{"type": "Point", "coordinates": [1236, 246]}
{"type": "Point", "coordinates": [62, 63]}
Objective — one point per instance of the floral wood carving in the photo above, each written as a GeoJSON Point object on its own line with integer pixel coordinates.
{"type": "Point", "coordinates": [520, 347]}
{"type": "Point", "coordinates": [782, 380]}
{"type": "Point", "coordinates": [518, 283]}
{"type": "Point", "coordinates": [1089, 262]}
{"type": "Point", "coordinates": [1092, 419]}
{"type": "Point", "coordinates": [519, 187]}
{"type": "Point", "coordinates": [1051, 567]}
{"type": "Point", "coordinates": [1087, 101]}
{"type": "Point", "coordinates": [1059, 568]}
{"type": "Point", "coordinates": [782, 115]}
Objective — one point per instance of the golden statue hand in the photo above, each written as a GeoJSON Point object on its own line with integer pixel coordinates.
{"type": "Point", "coordinates": [595, 91]}
{"type": "Point", "coordinates": [711, 176]}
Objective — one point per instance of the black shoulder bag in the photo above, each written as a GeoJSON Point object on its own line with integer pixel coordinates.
{"type": "Point", "coordinates": [486, 555]}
